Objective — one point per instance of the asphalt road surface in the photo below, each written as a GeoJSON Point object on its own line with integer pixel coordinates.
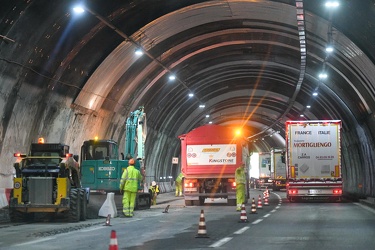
{"type": "Point", "coordinates": [280, 225]}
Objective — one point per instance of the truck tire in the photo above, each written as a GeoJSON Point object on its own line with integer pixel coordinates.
{"type": "Point", "coordinates": [83, 198]}
{"type": "Point", "coordinates": [201, 201]}
{"type": "Point", "coordinates": [188, 203]}
{"type": "Point", "coordinates": [16, 216]}
{"type": "Point", "coordinates": [232, 202]}
{"type": "Point", "coordinates": [74, 213]}
{"type": "Point", "coordinates": [196, 203]}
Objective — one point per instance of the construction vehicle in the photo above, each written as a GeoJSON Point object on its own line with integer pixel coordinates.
{"type": "Point", "coordinates": [102, 165]}
{"type": "Point", "coordinates": [313, 160]}
{"type": "Point", "coordinates": [279, 169]}
{"type": "Point", "coordinates": [47, 180]}
{"type": "Point", "coordinates": [210, 155]}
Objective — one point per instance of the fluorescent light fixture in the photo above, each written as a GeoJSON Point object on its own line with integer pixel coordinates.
{"type": "Point", "coordinates": [78, 9]}
{"type": "Point", "coordinates": [308, 106]}
{"type": "Point", "coordinates": [172, 77]}
{"type": "Point", "coordinates": [191, 95]}
{"type": "Point", "coordinates": [207, 116]}
{"type": "Point", "coordinates": [138, 51]}
{"type": "Point", "coordinates": [332, 4]}
{"type": "Point", "coordinates": [315, 93]}
{"type": "Point", "coordinates": [329, 49]}
{"type": "Point", "coordinates": [210, 122]}
{"type": "Point", "coordinates": [323, 75]}
{"type": "Point", "coordinates": [301, 115]}
{"type": "Point", "coordinates": [202, 106]}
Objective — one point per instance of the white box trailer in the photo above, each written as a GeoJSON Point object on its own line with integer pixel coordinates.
{"type": "Point", "coordinates": [313, 160]}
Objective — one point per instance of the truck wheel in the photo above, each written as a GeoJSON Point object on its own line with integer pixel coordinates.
{"type": "Point", "coordinates": [201, 201]}
{"type": "Point", "coordinates": [188, 203]}
{"type": "Point", "coordinates": [83, 198]}
{"type": "Point", "coordinates": [16, 216]}
{"type": "Point", "coordinates": [75, 206]}
{"type": "Point", "coordinates": [232, 202]}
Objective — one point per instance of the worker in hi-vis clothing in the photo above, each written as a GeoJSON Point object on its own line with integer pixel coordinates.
{"type": "Point", "coordinates": [179, 184]}
{"type": "Point", "coordinates": [240, 185]}
{"type": "Point", "coordinates": [154, 191]}
{"type": "Point", "coordinates": [129, 186]}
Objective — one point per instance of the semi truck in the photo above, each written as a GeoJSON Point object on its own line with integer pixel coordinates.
{"type": "Point", "coordinates": [265, 170]}
{"type": "Point", "coordinates": [279, 169]}
{"type": "Point", "coordinates": [210, 155]}
{"type": "Point", "coordinates": [47, 180]}
{"type": "Point", "coordinates": [313, 159]}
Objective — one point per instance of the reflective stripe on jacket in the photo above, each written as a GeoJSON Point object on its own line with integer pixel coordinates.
{"type": "Point", "coordinates": [130, 178]}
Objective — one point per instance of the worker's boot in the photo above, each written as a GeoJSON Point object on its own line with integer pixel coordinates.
{"type": "Point", "coordinates": [238, 207]}
{"type": "Point", "coordinates": [180, 194]}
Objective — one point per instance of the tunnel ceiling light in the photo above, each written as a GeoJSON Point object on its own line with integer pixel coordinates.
{"type": "Point", "coordinates": [172, 77]}
{"type": "Point", "coordinates": [191, 94]}
{"type": "Point", "coordinates": [301, 115]}
{"type": "Point", "coordinates": [332, 4]}
{"type": "Point", "coordinates": [202, 106]}
{"type": "Point", "coordinates": [308, 106]}
{"type": "Point", "coordinates": [329, 49]}
{"type": "Point", "coordinates": [207, 116]}
{"type": "Point", "coordinates": [78, 9]}
{"type": "Point", "coordinates": [315, 93]}
{"type": "Point", "coordinates": [323, 76]}
{"type": "Point", "coordinates": [138, 51]}
{"type": "Point", "coordinates": [210, 122]}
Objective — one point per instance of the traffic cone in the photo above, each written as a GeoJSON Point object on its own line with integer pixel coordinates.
{"type": "Point", "coordinates": [113, 241]}
{"type": "Point", "coordinates": [108, 220]}
{"type": "Point", "coordinates": [243, 217]}
{"type": "Point", "coordinates": [266, 201]}
{"type": "Point", "coordinates": [253, 207]}
{"type": "Point", "coordinates": [202, 232]}
{"type": "Point", "coordinates": [260, 202]}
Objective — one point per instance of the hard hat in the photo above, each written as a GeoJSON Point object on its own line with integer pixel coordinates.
{"type": "Point", "coordinates": [153, 183]}
{"type": "Point", "coordinates": [131, 161]}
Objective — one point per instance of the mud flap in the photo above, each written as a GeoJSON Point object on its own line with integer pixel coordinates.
{"type": "Point", "coordinates": [143, 201]}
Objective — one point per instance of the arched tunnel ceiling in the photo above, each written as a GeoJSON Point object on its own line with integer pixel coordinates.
{"type": "Point", "coordinates": [241, 59]}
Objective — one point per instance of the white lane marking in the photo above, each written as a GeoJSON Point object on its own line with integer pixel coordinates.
{"type": "Point", "coordinates": [257, 221]}
{"type": "Point", "coordinates": [273, 211]}
{"type": "Point", "coordinates": [266, 215]}
{"type": "Point", "coordinates": [241, 230]}
{"type": "Point", "coordinates": [277, 207]}
{"type": "Point", "coordinates": [92, 229]}
{"type": "Point", "coordinates": [35, 241]}
{"type": "Point", "coordinates": [365, 207]}
{"type": "Point", "coordinates": [221, 242]}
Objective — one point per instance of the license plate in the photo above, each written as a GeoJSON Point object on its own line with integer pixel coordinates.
{"type": "Point", "coordinates": [190, 189]}
{"type": "Point", "coordinates": [315, 191]}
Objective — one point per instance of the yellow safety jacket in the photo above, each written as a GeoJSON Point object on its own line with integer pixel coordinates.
{"type": "Point", "coordinates": [179, 178]}
{"type": "Point", "coordinates": [240, 175]}
{"type": "Point", "coordinates": [155, 189]}
{"type": "Point", "coordinates": [130, 178]}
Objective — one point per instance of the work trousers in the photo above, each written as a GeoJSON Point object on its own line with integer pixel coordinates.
{"type": "Point", "coordinates": [240, 195]}
{"type": "Point", "coordinates": [178, 188]}
{"type": "Point", "coordinates": [128, 203]}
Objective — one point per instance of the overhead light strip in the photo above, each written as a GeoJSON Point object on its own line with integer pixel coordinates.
{"type": "Point", "coordinates": [300, 12]}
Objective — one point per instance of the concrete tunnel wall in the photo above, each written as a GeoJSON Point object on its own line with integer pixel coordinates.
{"type": "Point", "coordinates": [29, 112]}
